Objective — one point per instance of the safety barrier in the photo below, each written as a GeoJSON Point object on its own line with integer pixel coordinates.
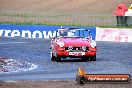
{"type": "Point", "coordinates": [114, 34]}
{"type": "Point", "coordinates": [46, 32]}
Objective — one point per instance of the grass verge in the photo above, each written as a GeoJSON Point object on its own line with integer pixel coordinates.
{"type": "Point", "coordinates": [34, 23]}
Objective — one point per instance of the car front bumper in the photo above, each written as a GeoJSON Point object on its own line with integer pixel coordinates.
{"type": "Point", "coordinates": [63, 53]}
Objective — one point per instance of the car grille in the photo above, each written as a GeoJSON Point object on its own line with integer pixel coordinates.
{"type": "Point", "coordinates": [76, 48]}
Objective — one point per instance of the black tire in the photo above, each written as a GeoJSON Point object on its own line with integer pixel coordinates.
{"type": "Point", "coordinates": [81, 80]}
{"type": "Point", "coordinates": [85, 58]}
{"type": "Point", "coordinates": [58, 59]}
{"type": "Point", "coordinates": [53, 58]}
{"type": "Point", "coordinates": [93, 58]}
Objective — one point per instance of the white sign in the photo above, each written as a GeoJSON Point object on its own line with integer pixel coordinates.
{"type": "Point", "coordinates": [114, 34]}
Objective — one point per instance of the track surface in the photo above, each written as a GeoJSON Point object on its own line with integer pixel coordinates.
{"type": "Point", "coordinates": [112, 57]}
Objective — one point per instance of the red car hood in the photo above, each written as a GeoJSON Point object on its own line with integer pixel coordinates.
{"type": "Point", "coordinates": [75, 41]}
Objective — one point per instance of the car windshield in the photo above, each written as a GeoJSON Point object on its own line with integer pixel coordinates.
{"type": "Point", "coordinates": [71, 33]}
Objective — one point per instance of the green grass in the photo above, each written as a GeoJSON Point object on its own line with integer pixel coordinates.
{"type": "Point", "coordinates": [33, 23]}
{"type": "Point", "coordinates": [116, 27]}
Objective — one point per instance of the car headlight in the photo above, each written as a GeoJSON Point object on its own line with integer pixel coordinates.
{"type": "Point", "coordinates": [61, 44]}
{"type": "Point", "coordinates": [93, 44]}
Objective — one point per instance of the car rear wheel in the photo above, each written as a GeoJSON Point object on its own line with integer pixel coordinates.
{"type": "Point", "coordinates": [93, 58]}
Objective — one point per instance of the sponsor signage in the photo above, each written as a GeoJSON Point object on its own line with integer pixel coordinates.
{"type": "Point", "coordinates": [27, 33]}
{"type": "Point", "coordinates": [114, 34]}
{"type": "Point", "coordinates": [35, 31]}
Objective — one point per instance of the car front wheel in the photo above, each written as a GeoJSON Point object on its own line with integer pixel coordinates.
{"type": "Point", "coordinates": [58, 59]}
{"type": "Point", "coordinates": [93, 58]}
{"type": "Point", "coordinates": [53, 58]}
{"type": "Point", "coordinates": [85, 58]}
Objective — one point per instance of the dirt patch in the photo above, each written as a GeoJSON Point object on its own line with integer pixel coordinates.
{"type": "Point", "coordinates": [86, 6]}
{"type": "Point", "coordinates": [58, 84]}
{"type": "Point", "coordinates": [62, 12]}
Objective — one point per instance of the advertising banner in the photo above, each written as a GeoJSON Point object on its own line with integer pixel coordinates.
{"type": "Point", "coordinates": [114, 34]}
{"type": "Point", "coordinates": [35, 31]}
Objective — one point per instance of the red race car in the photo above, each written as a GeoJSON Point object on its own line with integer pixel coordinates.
{"type": "Point", "coordinates": [72, 43]}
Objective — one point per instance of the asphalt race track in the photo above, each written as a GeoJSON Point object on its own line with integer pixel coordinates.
{"type": "Point", "coordinates": [112, 58]}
